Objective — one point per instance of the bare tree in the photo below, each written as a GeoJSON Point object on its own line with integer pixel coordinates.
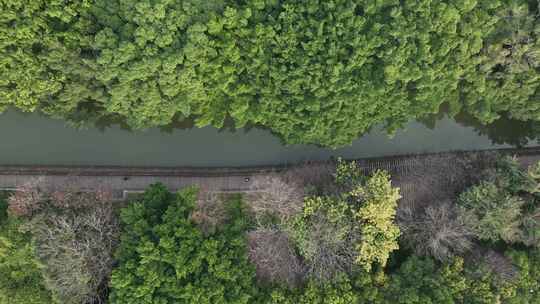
{"type": "Point", "coordinates": [28, 198]}
{"type": "Point", "coordinates": [277, 197]}
{"type": "Point", "coordinates": [327, 246]}
{"type": "Point", "coordinates": [210, 211]}
{"type": "Point", "coordinates": [435, 231]}
{"type": "Point", "coordinates": [530, 228]}
{"type": "Point", "coordinates": [274, 257]}
{"type": "Point", "coordinates": [76, 250]}
{"type": "Point", "coordinates": [493, 262]}
{"type": "Point", "coordinates": [501, 265]}
{"type": "Point", "coordinates": [437, 178]}
{"type": "Point", "coordinates": [75, 232]}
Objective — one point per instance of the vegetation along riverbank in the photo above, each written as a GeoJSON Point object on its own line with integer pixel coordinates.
{"type": "Point", "coordinates": [440, 228]}
{"type": "Point", "coordinates": [320, 72]}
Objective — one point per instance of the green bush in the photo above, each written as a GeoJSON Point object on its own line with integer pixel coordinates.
{"type": "Point", "coordinates": [506, 206]}
{"type": "Point", "coordinates": [419, 280]}
{"type": "Point", "coordinates": [423, 281]}
{"type": "Point", "coordinates": [510, 177]}
{"type": "Point", "coordinates": [359, 287]}
{"type": "Point", "coordinates": [21, 281]}
{"type": "Point", "coordinates": [340, 292]}
{"type": "Point", "coordinates": [491, 213]}
{"type": "Point", "coordinates": [163, 257]}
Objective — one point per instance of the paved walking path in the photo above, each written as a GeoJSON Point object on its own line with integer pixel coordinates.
{"type": "Point", "coordinates": [122, 180]}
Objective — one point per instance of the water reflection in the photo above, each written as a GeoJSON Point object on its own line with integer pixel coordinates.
{"type": "Point", "coordinates": [503, 131]}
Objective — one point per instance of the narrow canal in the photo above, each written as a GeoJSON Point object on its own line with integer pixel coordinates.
{"type": "Point", "coordinates": [33, 139]}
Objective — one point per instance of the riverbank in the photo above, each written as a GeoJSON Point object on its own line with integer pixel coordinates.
{"type": "Point", "coordinates": [122, 181]}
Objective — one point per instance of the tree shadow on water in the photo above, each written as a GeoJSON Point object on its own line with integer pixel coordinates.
{"type": "Point", "coordinates": [504, 130]}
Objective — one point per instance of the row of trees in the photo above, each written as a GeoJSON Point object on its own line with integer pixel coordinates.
{"type": "Point", "coordinates": [336, 237]}
{"type": "Point", "coordinates": [311, 71]}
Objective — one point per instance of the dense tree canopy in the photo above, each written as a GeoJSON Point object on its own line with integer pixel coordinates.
{"type": "Point", "coordinates": [311, 71]}
{"type": "Point", "coordinates": [165, 258]}
{"type": "Point", "coordinates": [507, 78]}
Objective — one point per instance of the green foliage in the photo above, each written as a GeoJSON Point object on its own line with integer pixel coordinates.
{"type": "Point", "coordinates": [20, 271]}
{"type": "Point", "coordinates": [325, 234]}
{"type": "Point", "coordinates": [311, 71]}
{"type": "Point", "coordinates": [526, 289]}
{"type": "Point", "coordinates": [373, 203]}
{"type": "Point", "coordinates": [491, 213]}
{"type": "Point", "coordinates": [420, 280]}
{"type": "Point", "coordinates": [510, 177]}
{"type": "Point", "coordinates": [506, 206]}
{"type": "Point", "coordinates": [339, 292]}
{"type": "Point", "coordinates": [356, 288]}
{"type": "Point", "coordinates": [534, 176]}
{"type": "Point", "coordinates": [531, 227]}
{"type": "Point", "coordinates": [376, 215]}
{"type": "Point", "coordinates": [164, 258]}
{"type": "Point", "coordinates": [507, 77]}
{"type": "Point", "coordinates": [46, 58]}
{"type": "Point", "coordinates": [355, 228]}
{"type": "Point", "coordinates": [348, 175]}
{"type": "Point", "coordinates": [424, 281]}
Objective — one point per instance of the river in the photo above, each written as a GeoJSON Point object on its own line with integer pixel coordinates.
{"type": "Point", "coordinates": [31, 139]}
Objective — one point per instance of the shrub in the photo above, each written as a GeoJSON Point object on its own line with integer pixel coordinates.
{"type": "Point", "coordinates": [534, 176]}
{"type": "Point", "coordinates": [423, 281]}
{"type": "Point", "coordinates": [505, 206]}
{"type": "Point", "coordinates": [509, 176]}
{"type": "Point", "coordinates": [339, 292]}
{"type": "Point", "coordinates": [163, 257]}
{"type": "Point", "coordinates": [355, 288]}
